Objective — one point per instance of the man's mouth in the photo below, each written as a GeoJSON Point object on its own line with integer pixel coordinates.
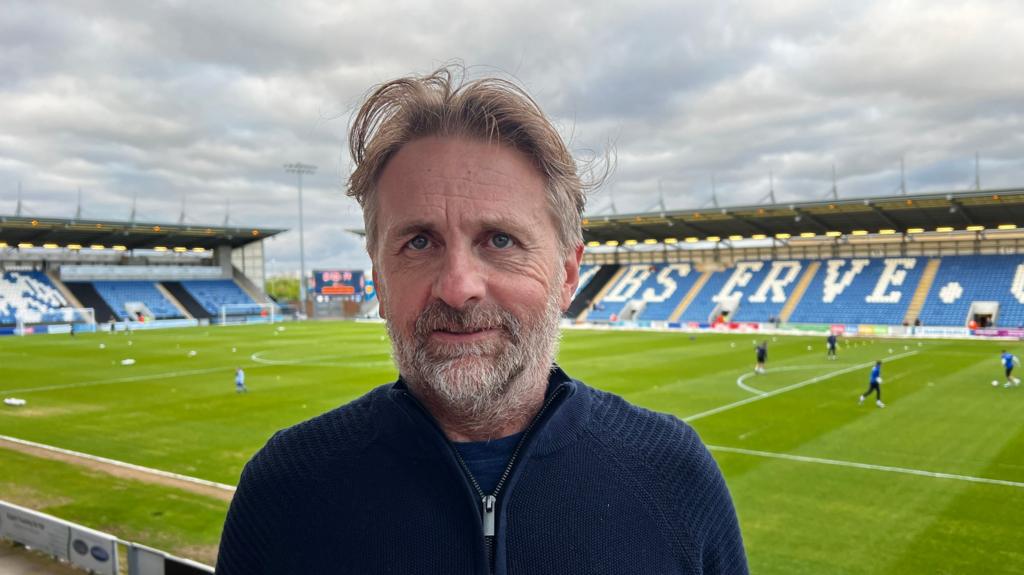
{"type": "Point", "coordinates": [463, 330]}
{"type": "Point", "coordinates": [464, 334]}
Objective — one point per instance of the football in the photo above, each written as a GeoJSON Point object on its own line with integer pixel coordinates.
{"type": "Point", "coordinates": [995, 383]}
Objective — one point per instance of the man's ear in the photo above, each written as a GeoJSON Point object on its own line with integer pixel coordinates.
{"type": "Point", "coordinates": [572, 275]}
{"type": "Point", "coordinates": [379, 288]}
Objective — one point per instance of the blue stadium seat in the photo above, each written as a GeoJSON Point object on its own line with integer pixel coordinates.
{"type": "Point", "coordinates": [212, 294]}
{"type": "Point", "coordinates": [119, 293]}
{"type": "Point", "coordinates": [587, 273]}
{"type": "Point", "coordinates": [660, 286]}
{"type": "Point", "coordinates": [843, 290]}
{"type": "Point", "coordinates": [962, 280]}
{"type": "Point", "coordinates": [32, 297]}
{"type": "Point", "coordinates": [860, 291]}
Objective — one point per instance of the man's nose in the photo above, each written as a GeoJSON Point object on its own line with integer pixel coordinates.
{"type": "Point", "coordinates": [461, 277]}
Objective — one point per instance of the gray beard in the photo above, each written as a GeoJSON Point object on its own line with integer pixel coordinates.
{"type": "Point", "coordinates": [479, 386]}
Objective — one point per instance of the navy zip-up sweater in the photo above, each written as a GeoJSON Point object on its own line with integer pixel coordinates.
{"type": "Point", "coordinates": [599, 486]}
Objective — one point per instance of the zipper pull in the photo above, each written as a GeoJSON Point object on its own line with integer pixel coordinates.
{"type": "Point", "coordinates": [488, 515]}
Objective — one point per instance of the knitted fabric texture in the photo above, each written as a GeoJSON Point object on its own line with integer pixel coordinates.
{"type": "Point", "coordinates": [373, 487]}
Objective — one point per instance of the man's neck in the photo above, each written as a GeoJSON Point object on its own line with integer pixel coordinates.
{"type": "Point", "coordinates": [501, 420]}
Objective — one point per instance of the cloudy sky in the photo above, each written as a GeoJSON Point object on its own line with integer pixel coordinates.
{"type": "Point", "coordinates": [204, 102]}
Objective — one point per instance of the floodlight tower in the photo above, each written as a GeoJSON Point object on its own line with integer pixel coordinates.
{"type": "Point", "coordinates": [299, 169]}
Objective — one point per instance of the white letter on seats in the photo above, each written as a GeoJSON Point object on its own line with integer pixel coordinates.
{"type": "Point", "coordinates": [740, 278]}
{"type": "Point", "coordinates": [892, 275]}
{"type": "Point", "coordinates": [1017, 289]}
{"type": "Point", "coordinates": [627, 287]}
{"type": "Point", "coordinates": [664, 278]}
{"type": "Point", "coordinates": [788, 272]}
{"type": "Point", "coordinates": [834, 285]}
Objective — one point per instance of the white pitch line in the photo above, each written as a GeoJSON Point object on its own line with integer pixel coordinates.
{"type": "Point", "coordinates": [316, 361]}
{"type": "Point", "coordinates": [745, 387]}
{"type": "Point", "coordinates": [123, 464]}
{"type": "Point", "coordinates": [129, 379]}
{"type": "Point", "coordinates": [806, 382]}
{"type": "Point", "coordinates": [869, 466]}
{"type": "Point", "coordinates": [754, 390]}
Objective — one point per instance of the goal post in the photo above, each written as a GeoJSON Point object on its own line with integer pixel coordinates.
{"type": "Point", "coordinates": [86, 315]}
{"type": "Point", "coordinates": [57, 320]}
{"type": "Point", "coordinates": [240, 313]}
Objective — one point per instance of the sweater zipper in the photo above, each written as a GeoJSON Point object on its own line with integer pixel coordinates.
{"type": "Point", "coordinates": [488, 503]}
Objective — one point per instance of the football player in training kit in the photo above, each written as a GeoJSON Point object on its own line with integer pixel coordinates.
{"type": "Point", "coordinates": [874, 384]}
{"type": "Point", "coordinates": [1009, 361]}
{"type": "Point", "coordinates": [831, 346]}
{"type": "Point", "coordinates": [762, 356]}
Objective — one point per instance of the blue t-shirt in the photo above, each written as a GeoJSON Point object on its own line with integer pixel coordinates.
{"type": "Point", "coordinates": [832, 340]}
{"type": "Point", "coordinates": [487, 459]}
{"type": "Point", "coordinates": [1007, 360]}
{"type": "Point", "coordinates": [876, 372]}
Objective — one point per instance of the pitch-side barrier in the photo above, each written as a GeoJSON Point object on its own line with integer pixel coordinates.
{"type": "Point", "coordinates": [848, 330]}
{"type": "Point", "coordinates": [86, 548]}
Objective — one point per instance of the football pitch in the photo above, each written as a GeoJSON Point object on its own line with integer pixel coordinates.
{"type": "Point", "coordinates": [932, 483]}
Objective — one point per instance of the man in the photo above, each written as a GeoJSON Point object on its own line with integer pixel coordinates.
{"type": "Point", "coordinates": [240, 381]}
{"type": "Point", "coordinates": [1009, 361]}
{"type": "Point", "coordinates": [484, 457]}
{"type": "Point", "coordinates": [761, 351]}
{"type": "Point", "coordinates": [874, 384]}
{"type": "Point", "coordinates": [831, 346]}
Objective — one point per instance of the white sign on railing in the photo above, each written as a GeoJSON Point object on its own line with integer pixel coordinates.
{"type": "Point", "coordinates": [33, 529]}
{"type": "Point", "coordinates": [89, 549]}
{"type": "Point", "coordinates": [93, 550]}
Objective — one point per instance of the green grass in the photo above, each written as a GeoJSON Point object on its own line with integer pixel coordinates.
{"type": "Point", "coordinates": [180, 413]}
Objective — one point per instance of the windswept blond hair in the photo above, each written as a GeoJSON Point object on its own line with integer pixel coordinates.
{"type": "Point", "coordinates": [443, 103]}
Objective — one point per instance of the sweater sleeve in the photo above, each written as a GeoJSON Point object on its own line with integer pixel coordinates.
{"type": "Point", "coordinates": [247, 544]}
{"type": "Point", "coordinates": [722, 550]}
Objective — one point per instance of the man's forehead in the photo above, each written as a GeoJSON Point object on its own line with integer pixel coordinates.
{"type": "Point", "coordinates": [457, 161]}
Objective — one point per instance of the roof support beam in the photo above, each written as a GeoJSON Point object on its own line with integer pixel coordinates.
{"type": "Point", "coordinates": [811, 218]}
{"type": "Point", "coordinates": [886, 218]}
{"type": "Point", "coordinates": [964, 214]}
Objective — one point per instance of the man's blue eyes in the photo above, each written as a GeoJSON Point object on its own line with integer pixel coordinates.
{"type": "Point", "coordinates": [501, 241]}
{"type": "Point", "coordinates": [498, 240]}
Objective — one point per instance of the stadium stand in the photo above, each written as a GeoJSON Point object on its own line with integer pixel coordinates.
{"type": "Point", "coordinates": [89, 297]}
{"type": "Point", "coordinates": [672, 283]}
{"type": "Point", "coordinates": [860, 291]}
{"type": "Point", "coordinates": [211, 295]}
{"type": "Point", "coordinates": [32, 298]}
{"type": "Point", "coordinates": [592, 279]}
{"type": "Point", "coordinates": [185, 298]}
{"type": "Point", "coordinates": [964, 281]}
{"type": "Point", "coordinates": [120, 295]}
{"type": "Point", "coordinates": [702, 306]}
{"type": "Point", "coordinates": [986, 288]}
{"type": "Point", "coordinates": [645, 292]}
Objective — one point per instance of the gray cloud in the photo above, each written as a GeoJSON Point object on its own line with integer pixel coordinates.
{"type": "Point", "coordinates": [165, 100]}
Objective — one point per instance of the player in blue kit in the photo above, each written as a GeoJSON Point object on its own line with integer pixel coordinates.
{"type": "Point", "coordinates": [240, 381]}
{"type": "Point", "coordinates": [874, 384]}
{"type": "Point", "coordinates": [831, 346]}
{"type": "Point", "coordinates": [1009, 361]}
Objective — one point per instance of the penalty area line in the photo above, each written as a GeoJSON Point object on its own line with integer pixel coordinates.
{"type": "Point", "coordinates": [797, 385]}
{"type": "Point", "coordinates": [868, 466]}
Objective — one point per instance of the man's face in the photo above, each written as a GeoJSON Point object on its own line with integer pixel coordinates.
{"type": "Point", "coordinates": [469, 270]}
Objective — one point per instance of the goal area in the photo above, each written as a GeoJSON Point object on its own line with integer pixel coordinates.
{"type": "Point", "coordinates": [243, 313]}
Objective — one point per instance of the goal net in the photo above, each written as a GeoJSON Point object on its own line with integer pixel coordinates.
{"type": "Point", "coordinates": [57, 320]}
{"type": "Point", "coordinates": [239, 313]}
